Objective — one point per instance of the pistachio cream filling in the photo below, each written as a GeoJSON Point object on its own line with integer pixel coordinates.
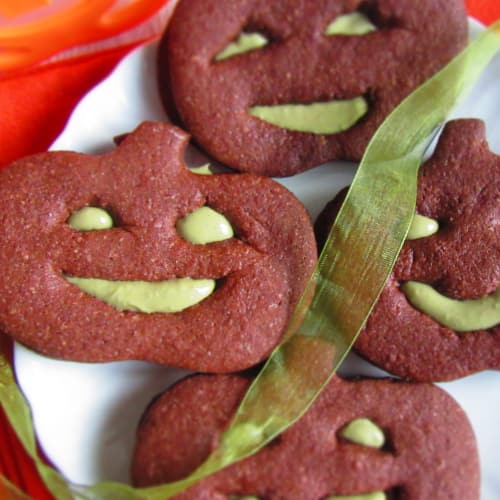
{"type": "Point", "coordinates": [148, 297]}
{"type": "Point", "coordinates": [376, 495]}
{"type": "Point", "coordinates": [90, 219]}
{"type": "Point", "coordinates": [245, 42]}
{"type": "Point", "coordinates": [458, 315]}
{"type": "Point", "coordinates": [422, 227]}
{"type": "Point", "coordinates": [365, 432]}
{"type": "Point", "coordinates": [320, 117]}
{"type": "Point", "coordinates": [204, 225]}
{"type": "Point", "coordinates": [354, 23]}
{"type": "Point", "coordinates": [202, 170]}
{"type": "Point", "coordinates": [362, 431]}
{"type": "Point", "coordinates": [329, 117]}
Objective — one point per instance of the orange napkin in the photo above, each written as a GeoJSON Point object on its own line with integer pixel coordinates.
{"type": "Point", "coordinates": [34, 108]}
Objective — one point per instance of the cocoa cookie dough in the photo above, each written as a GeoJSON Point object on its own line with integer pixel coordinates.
{"type": "Point", "coordinates": [279, 87]}
{"type": "Point", "coordinates": [130, 255]}
{"type": "Point", "coordinates": [438, 316]}
{"type": "Point", "coordinates": [387, 438]}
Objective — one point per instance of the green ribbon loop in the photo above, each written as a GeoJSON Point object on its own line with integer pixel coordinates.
{"type": "Point", "coordinates": [351, 272]}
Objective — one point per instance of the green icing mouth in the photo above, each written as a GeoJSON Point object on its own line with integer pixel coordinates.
{"type": "Point", "coordinates": [317, 118]}
{"type": "Point", "coordinates": [458, 315]}
{"type": "Point", "coordinates": [202, 226]}
{"type": "Point", "coordinates": [148, 297]}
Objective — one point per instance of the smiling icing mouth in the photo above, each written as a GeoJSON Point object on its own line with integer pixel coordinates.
{"type": "Point", "coordinates": [458, 315]}
{"type": "Point", "coordinates": [203, 225]}
{"type": "Point", "coordinates": [167, 296]}
{"type": "Point", "coordinates": [329, 117]}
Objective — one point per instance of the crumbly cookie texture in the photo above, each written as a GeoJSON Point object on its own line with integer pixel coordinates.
{"type": "Point", "coordinates": [427, 450]}
{"type": "Point", "coordinates": [56, 253]}
{"type": "Point", "coordinates": [459, 188]}
{"type": "Point", "coordinates": [231, 105]}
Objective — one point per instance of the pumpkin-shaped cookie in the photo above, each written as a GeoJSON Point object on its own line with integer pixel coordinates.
{"type": "Point", "coordinates": [278, 87]}
{"type": "Point", "coordinates": [438, 317]}
{"type": "Point", "coordinates": [130, 255]}
{"type": "Point", "coordinates": [376, 439]}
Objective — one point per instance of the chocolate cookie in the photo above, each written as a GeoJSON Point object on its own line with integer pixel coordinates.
{"type": "Point", "coordinates": [401, 439]}
{"type": "Point", "coordinates": [130, 255]}
{"type": "Point", "coordinates": [438, 316]}
{"type": "Point", "coordinates": [278, 87]}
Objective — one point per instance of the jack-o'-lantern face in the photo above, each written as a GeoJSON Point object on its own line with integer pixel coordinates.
{"type": "Point", "coordinates": [376, 439]}
{"type": "Point", "coordinates": [439, 314]}
{"type": "Point", "coordinates": [92, 245]}
{"type": "Point", "coordinates": [278, 87]}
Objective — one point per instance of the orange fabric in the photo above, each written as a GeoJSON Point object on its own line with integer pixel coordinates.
{"type": "Point", "coordinates": [74, 23]}
{"type": "Point", "coordinates": [13, 9]}
{"type": "Point", "coordinates": [34, 109]}
{"type": "Point", "coordinates": [486, 11]}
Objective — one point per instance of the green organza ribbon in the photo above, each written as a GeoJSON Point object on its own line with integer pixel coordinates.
{"type": "Point", "coordinates": [351, 272]}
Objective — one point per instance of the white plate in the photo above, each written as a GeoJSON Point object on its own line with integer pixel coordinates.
{"type": "Point", "coordinates": [86, 414]}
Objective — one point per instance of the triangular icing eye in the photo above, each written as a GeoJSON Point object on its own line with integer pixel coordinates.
{"type": "Point", "coordinates": [365, 432]}
{"type": "Point", "coordinates": [90, 219]}
{"type": "Point", "coordinates": [355, 23]}
{"type": "Point", "coordinates": [202, 169]}
{"type": "Point", "coordinates": [246, 42]}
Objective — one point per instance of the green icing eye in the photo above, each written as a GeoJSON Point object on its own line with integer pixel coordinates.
{"type": "Point", "coordinates": [202, 170]}
{"type": "Point", "coordinates": [245, 42]}
{"type": "Point", "coordinates": [364, 431]}
{"type": "Point", "coordinates": [422, 227]}
{"type": "Point", "coordinates": [90, 219]}
{"type": "Point", "coordinates": [204, 225]}
{"type": "Point", "coordinates": [355, 23]}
